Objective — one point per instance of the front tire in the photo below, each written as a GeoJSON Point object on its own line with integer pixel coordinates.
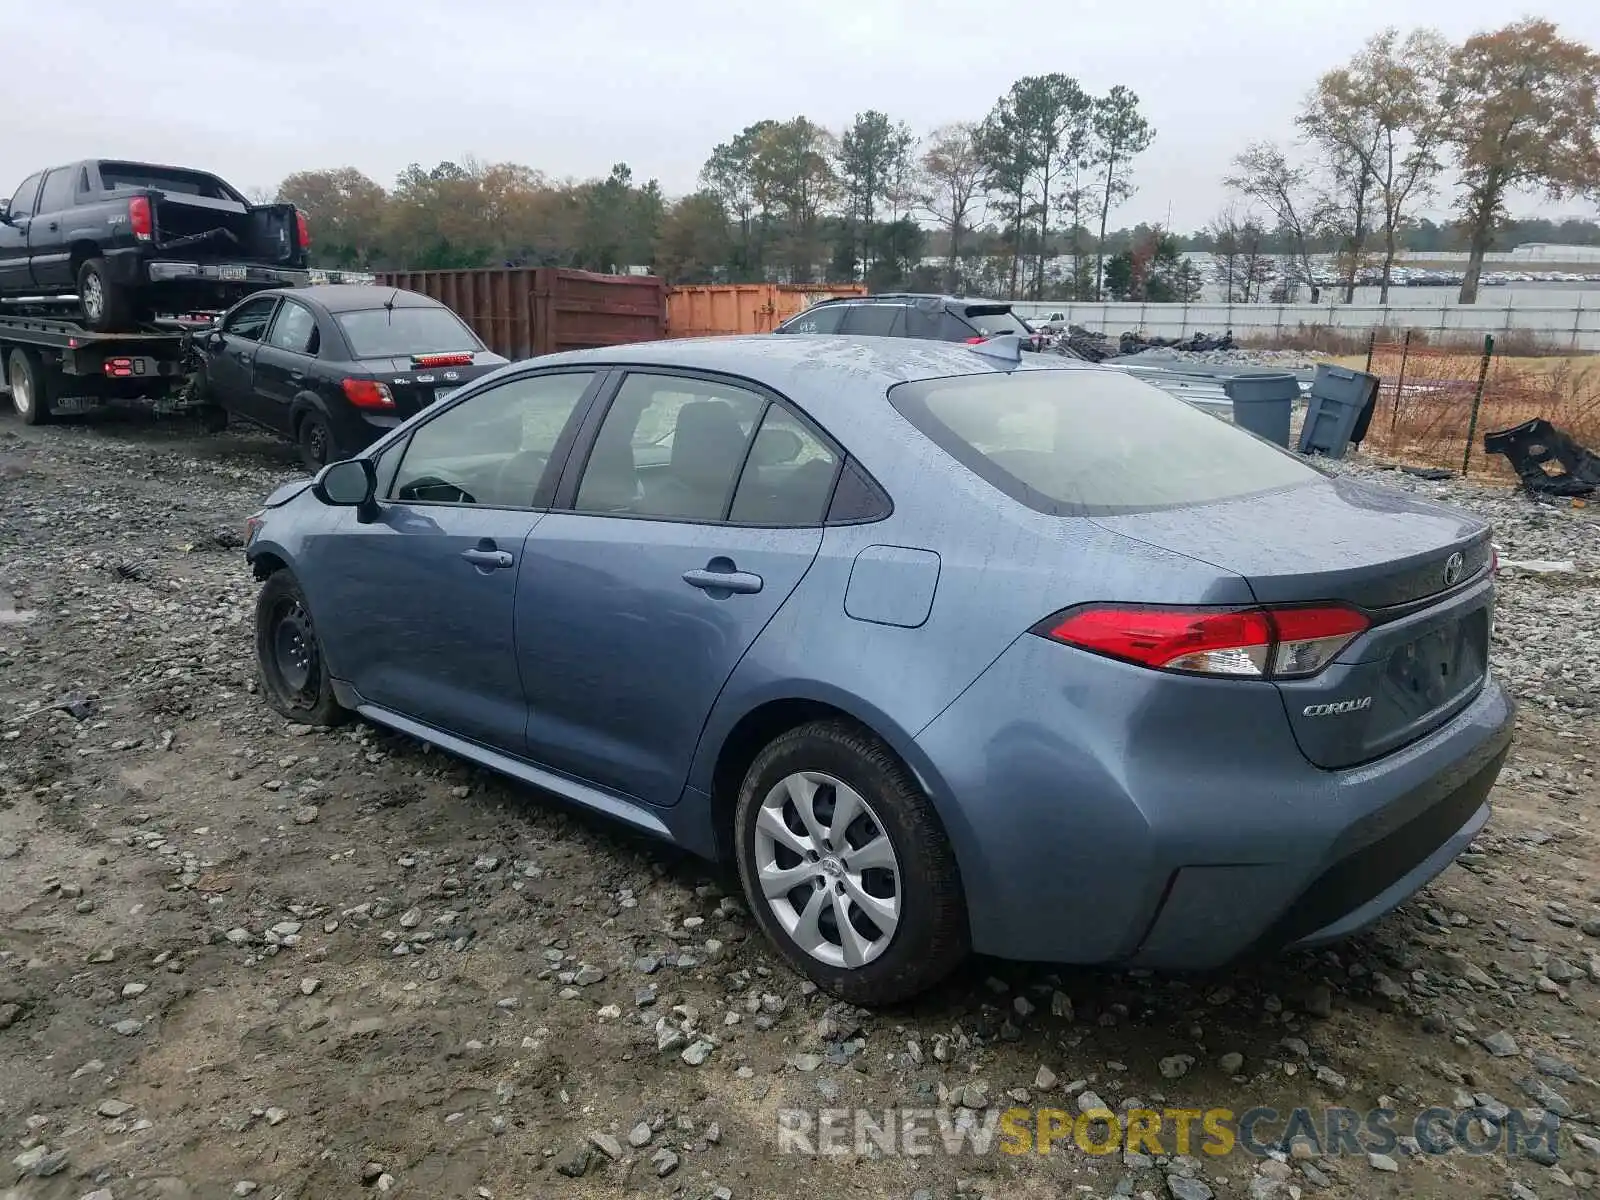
{"type": "Point", "coordinates": [31, 388]}
{"type": "Point", "coordinates": [289, 659]}
{"type": "Point", "coordinates": [846, 866]}
{"type": "Point", "coordinates": [107, 305]}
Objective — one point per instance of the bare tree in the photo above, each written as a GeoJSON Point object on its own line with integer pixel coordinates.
{"type": "Point", "coordinates": [1224, 231]}
{"type": "Point", "coordinates": [1263, 173]}
{"type": "Point", "coordinates": [954, 172]}
{"type": "Point", "coordinates": [1523, 114]}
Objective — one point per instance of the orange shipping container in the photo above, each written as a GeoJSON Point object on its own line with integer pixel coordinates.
{"type": "Point", "coordinates": [709, 310]}
{"type": "Point", "coordinates": [525, 311]}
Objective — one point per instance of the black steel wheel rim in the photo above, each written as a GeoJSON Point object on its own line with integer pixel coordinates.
{"type": "Point", "coordinates": [292, 652]}
{"type": "Point", "coordinates": [316, 441]}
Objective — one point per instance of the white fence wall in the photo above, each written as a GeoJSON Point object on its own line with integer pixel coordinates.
{"type": "Point", "coordinates": [1572, 326]}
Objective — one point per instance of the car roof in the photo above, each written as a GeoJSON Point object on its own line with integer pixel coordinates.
{"type": "Point", "coordinates": [353, 297]}
{"type": "Point", "coordinates": [880, 297]}
{"type": "Point", "coordinates": [813, 370]}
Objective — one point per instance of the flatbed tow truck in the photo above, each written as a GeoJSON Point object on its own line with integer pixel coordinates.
{"type": "Point", "coordinates": [54, 365]}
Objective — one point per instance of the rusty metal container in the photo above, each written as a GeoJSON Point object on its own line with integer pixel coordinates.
{"type": "Point", "coordinates": [709, 310]}
{"type": "Point", "coordinates": [521, 312]}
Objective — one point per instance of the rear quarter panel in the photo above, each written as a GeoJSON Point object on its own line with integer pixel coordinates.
{"type": "Point", "coordinates": [1002, 569]}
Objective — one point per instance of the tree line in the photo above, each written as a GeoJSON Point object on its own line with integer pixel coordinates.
{"type": "Point", "coordinates": [1020, 203]}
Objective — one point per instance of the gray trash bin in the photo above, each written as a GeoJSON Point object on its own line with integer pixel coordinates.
{"type": "Point", "coordinates": [1338, 397]}
{"type": "Point", "coordinates": [1263, 404]}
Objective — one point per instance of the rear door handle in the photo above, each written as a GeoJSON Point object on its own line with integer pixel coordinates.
{"type": "Point", "coordinates": [742, 582]}
{"type": "Point", "coordinates": [488, 560]}
{"type": "Point", "coordinates": [297, 374]}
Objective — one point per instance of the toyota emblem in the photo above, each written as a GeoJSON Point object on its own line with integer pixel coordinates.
{"type": "Point", "coordinates": [1452, 569]}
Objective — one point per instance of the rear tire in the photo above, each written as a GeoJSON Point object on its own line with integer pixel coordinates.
{"type": "Point", "coordinates": [315, 440]}
{"type": "Point", "coordinates": [213, 418]}
{"type": "Point", "coordinates": [107, 305]}
{"type": "Point", "coordinates": [889, 872]}
{"type": "Point", "coordinates": [289, 659]}
{"type": "Point", "coordinates": [31, 387]}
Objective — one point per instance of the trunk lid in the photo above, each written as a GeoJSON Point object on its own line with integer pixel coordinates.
{"type": "Point", "coordinates": [415, 386]}
{"type": "Point", "coordinates": [1421, 573]}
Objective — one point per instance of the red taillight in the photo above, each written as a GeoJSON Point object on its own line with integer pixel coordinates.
{"type": "Point", "coordinates": [118, 368]}
{"type": "Point", "coordinates": [442, 360]}
{"type": "Point", "coordinates": [366, 393]}
{"type": "Point", "coordinates": [1494, 560]}
{"type": "Point", "coordinates": [139, 218]}
{"type": "Point", "coordinates": [1257, 643]}
{"type": "Point", "coordinates": [975, 341]}
{"type": "Point", "coordinates": [303, 227]}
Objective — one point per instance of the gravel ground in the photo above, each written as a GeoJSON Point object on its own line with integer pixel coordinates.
{"type": "Point", "coordinates": [241, 958]}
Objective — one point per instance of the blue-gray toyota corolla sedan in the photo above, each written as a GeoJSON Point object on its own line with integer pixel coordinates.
{"type": "Point", "coordinates": [945, 651]}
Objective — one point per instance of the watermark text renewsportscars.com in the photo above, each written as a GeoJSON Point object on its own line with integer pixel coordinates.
{"type": "Point", "coordinates": [1210, 1131]}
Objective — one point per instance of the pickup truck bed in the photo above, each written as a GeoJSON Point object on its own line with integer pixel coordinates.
{"type": "Point", "coordinates": [125, 240]}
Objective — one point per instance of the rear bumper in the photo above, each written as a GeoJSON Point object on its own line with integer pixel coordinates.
{"type": "Point", "coordinates": [245, 275]}
{"type": "Point", "coordinates": [1104, 814]}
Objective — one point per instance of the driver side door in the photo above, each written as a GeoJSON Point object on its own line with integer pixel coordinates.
{"type": "Point", "coordinates": [419, 602]}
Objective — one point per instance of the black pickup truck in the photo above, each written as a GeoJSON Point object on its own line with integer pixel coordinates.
{"type": "Point", "coordinates": [130, 240]}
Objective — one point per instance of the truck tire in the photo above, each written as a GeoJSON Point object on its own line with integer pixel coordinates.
{"type": "Point", "coordinates": [31, 389]}
{"type": "Point", "coordinates": [107, 305]}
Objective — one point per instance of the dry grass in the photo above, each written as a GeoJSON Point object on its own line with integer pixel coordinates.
{"type": "Point", "coordinates": [1425, 420]}
{"type": "Point", "coordinates": [1341, 340]}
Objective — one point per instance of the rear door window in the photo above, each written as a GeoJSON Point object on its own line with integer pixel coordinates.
{"type": "Point", "coordinates": [294, 329]}
{"type": "Point", "coordinates": [1092, 442]}
{"type": "Point", "coordinates": [788, 474]}
{"type": "Point", "coordinates": [925, 321]}
{"type": "Point", "coordinates": [876, 320]}
{"type": "Point", "coordinates": [57, 193]}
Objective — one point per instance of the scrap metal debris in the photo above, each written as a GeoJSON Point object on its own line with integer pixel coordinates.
{"type": "Point", "coordinates": [1133, 343]}
{"type": "Point", "coordinates": [1534, 447]}
{"type": "Point", "coordinates": [1097, 347]}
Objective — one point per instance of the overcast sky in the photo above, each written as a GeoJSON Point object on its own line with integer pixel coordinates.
{"type": "Point", "coordinates": [254, 91]}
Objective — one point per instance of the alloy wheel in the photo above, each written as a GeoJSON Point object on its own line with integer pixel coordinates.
{"type": "Point", "coordinates": [93, 298]}
{"type": "Point", "coordinates": [21, 387]}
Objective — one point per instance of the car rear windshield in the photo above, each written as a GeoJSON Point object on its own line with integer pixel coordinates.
{"type": "Point", "coordinates": [139, 177]}
{"type": "Point", "coordinates": [1091, 442]}
{"type": "Point", "coordinates": [402, 332]}
{"type": "Point", "coordinates": [994, 319]}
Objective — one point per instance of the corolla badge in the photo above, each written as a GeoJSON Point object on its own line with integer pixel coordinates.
{"type": "Point", "coordinates": [1337, 707]}
{"type": "Point", "coordinates": [1453, 566]}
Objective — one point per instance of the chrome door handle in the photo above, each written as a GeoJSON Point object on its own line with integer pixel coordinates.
{"type": "Point", "coordinates": [488, 560]}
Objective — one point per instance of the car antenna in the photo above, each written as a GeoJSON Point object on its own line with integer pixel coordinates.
{"type": "Point", "coordinates": [388, 304]}
{"type": "Point", "coordinates": [1004, 349]}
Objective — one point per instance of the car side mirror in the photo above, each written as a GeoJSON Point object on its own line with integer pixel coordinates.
{"type": "Point", "coordinates": [5, 213]}
{"type": "Point", "coordinates": [352, 483]}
